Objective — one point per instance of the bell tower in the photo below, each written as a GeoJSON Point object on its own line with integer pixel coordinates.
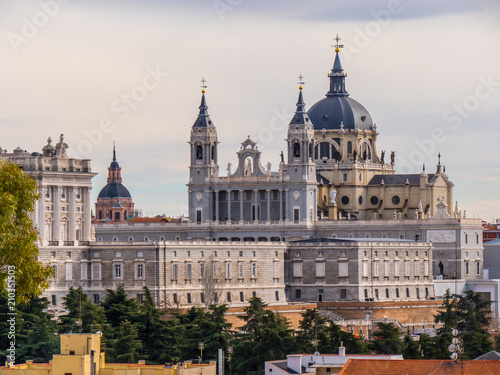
{"type": "Point", "coordinates": [301, 167]}
{"type": "Point", "coordinates": [203, 164]}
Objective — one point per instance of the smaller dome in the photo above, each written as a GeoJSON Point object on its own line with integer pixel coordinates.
{"type": "Point", "coordinates": [114, 190]}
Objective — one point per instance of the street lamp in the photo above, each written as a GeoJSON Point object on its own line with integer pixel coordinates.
{"type": "Point", "coordinates": [201, 345]}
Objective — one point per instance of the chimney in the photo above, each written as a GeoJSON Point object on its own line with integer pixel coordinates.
{"type": "Point", "coordinates": [342, 349]}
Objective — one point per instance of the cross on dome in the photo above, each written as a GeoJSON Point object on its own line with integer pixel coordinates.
{"type": "Point", "coordinates": [337, 45]}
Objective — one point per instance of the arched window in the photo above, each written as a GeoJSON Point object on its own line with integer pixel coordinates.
{"type": "Point", "coordinates": [316, 152]}
{"type": "Point", "coordinates": [349, 147]}
{"type": "Point", "coordinates": [214, 151]}
{"type": "Point", "coordinates": [199, 152]}
{"type": "Point", "coordinates": [324, 150]}
{"type": "Point", "coordinates": [310, 150]}
{"type": "Point", "coordinates": [296, 150]}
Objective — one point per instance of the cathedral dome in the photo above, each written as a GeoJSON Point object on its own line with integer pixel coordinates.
{"type": "Point", "coordinates": [114, 190]}
{"type": "Point", "coordinates": [332, 111]}
{"type": "Point", "coordinates": [337, 108]}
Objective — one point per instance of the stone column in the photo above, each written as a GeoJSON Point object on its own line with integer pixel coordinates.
{"type": "Point", "coordinates": [87, 219]}
{"type": "Point", "coordinates": [229, 205]}
{"type": "Point", "coordinates": [281, 205]}
{"type": "Point", "coordinates": [71, 214]}
{"type": "Point", "coordinates": [56, 213]}
{"type": "Point", "coordinates": [242, 217]}
{"type": "Point", "coordinates": [41, 216]}
{"type": "Point", "coordinates": [285, 196]}
{"type": "Point", "coordinates": [216, 205]}
{"type": "Point", "coordinates": [268, 205]}
{"type": "Point", "coordinates": [256, 203]}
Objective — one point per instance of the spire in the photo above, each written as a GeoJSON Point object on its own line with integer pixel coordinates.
{"type": "Point", "coordinates": [114, 170]}
{"type": "Point", "coordinates": [438, 169]}
{"type": "Point", "coordinates": [337, 75]}
{"type": "Point", "coordinates": [203, 120]}
{"type": "Point", "coordinates": [114, 164]}
{"type": "Point", "coordinates": [114, 151]}
{"type": "Point", "coordinates": [300, 117]}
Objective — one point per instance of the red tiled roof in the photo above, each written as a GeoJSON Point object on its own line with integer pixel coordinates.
{"type": "Point", "coordinates": [419, 367]}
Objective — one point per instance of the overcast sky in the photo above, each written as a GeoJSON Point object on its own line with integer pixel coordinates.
{"type": "Point", "coordinates": [98, 71]}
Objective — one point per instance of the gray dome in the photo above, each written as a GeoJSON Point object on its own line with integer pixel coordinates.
{"type": "Point", "coordinates": [331, 111]}
{"type": "Point", "coordinates": [114, 190]}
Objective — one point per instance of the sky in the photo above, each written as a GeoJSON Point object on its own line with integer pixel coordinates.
{"type": "Point", "coordinates": [129, 71]}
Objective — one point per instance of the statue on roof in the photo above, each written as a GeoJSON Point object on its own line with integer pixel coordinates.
{"type": "Point", "coordinates": [382, 157]}
{"type": "Point", "coordinates": [48, 150]}
{"type": "Point", "coordinates": [393, 157]}
{"type": "Point", "coordinates": [61, 147]}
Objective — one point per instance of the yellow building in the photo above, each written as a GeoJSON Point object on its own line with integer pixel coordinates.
{"type": "Point", "coordinates": [82, 354]}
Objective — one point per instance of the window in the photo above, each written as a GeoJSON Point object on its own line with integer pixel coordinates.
{"type": "Point", "coordinates": [118, 254]}
{"type": "Point", "coordinates": [320, 295]}
{"type": "Point", "coordinates": [83, 271]}
{"type": "Point", "coordinates": [397, 292]}
{"type": "Point", "coordinates": [477, 268]}
{"type": "Point", "coordinates": [366, 293]}
{"type": "Point", "coordinates": [365, 269]}
{"type": "Point", "coordinates": [198, 216]}
{"type": "Point", "coordinates": [215, 253]}
{"type": "Point", "coordinates": [174, 254]}
{"type": "Point", "coordinates": [54, 299]}
{"type": "Point", "coordinates": [241, 253]}
{"type": "Point", "coordinates": [406, 253]}
{"type": "Point", "coordinates": [407, 292]}
{"type": "Point", "coordinates": [202, 253]}
{"type": "Point", "coordinates": [297, 269]}
{"type": "Point", "coordinates": [375, 253]}
{"type": "Point", "coordinates": [139, 254]}
{"type": "Point", "coordinates": [131, 239]}
{"type": "Point", "coordinates": [418, 293]}
{"type": "Point", "coordinates": [386, 293]}
{"type": "Point", "coordinates": [140, 271]}
{"type": "Point", "coordinates": [386, 253]}
{"type": "Point", "coordinates": [343, 293]}
{"type": "Point", "coordinates": [189, 269]}
{"type": "Point", "coordinates": [343, 269]}
{"type": "Point", "coordinates": [202, 269]}
{"type": "Point", "coordinates": [298, 293]}
{"type": "Point", "coordinates": [254, 269]}
{"type": "Point", "coordinates": [202, 297]}
{"type": "Point", "coordinates": [426, 292]}
{"type": "Point", "coordinates": [396, 253]}
{"type": "Point", "coordinates": [296, 214]}
{"type": "Point", "coordinates": [140, 298]}
{"type": "Point", "coordinates": [188, 297]}
{"type": "Point", "coordinates": [54, 267]}
{"type": "Point", "coordinates": [53, 254]}
{"type": "Point", "coordinates": [253, 254]}
{"type": "Point", "coordinates": [416, 253]}
{"type": "Point", "coordinates": [216, 269]}
{"type": "Point", "coordinates": [97, 298]}
{"type": "Point", "coordinates": [96, 271]}
{"type": "Point", "coordinates": [229, 297]}
{"type": "Point", "coordinates": [96, 254]}
{"type": "Point", "coordinates": [320, 269]}
{"type": "Point", "coordinates": [376, 293]}
{"type": "Point", "coordinates": [228, 254]}
{"type": "Point", "coordinates": [466, 238]}
{"type": "Point", "coordinates": [175, 271]}
{"type": "Point", "coordinates": [228, 270]}
{"type": "Point", "coordinates": [344, 178]}
{"type": "Point", "coordinates": [69, 271]}
{"type": "Point", "coordinates": [396, 268]}
{"type": "Point", "coordinates": [466, 268]}
{"type": "Point", "coordinates": [175, 298]}
{"type": "Point", "coordinates": [118, 271]}
{"type": "Point", "coordinates": [188, 254]}
{"type": "Point", "coordinates": [240, 270]}
{"type": "Point", "coordinates": [68, 254]}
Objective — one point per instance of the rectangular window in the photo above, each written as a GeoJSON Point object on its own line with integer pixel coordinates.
{"type": "Point", "coordinates": [202, 253]}
{"type": "Point", "coordinates": [228, 254]}
{"type": "Point", "coordinates": [254, 294]}
{"type": "Point", "coordinates": [386, 293]}
{"type": "Point", "coordinates": [54, 299]}
{"type": "Point", "coordinates": [96, 254]}
{"type": "Point", "coordinates": [254, 269]}
{"type": "Point", "coordinates": [202, 269]}
{"type": "Point", "coordinates": [140, 298]}
{"type": "Point", "coordinates": [320, 269]}
{"type": "Point", "coordinates": [69, 271]}
{"type": "Point", "coordinates": [54, 267]}
{"type": "Point", "coordinates": [189, 270]}
{"type": "Point", "coordinates": [229, 297]}
{"type": "Point", "coordinates": [97, 298]}
{"type": "Point", "coordinates": [407, 292]}
{"type": "Point", "coordinates": [320, 295]}
{"type": "Point", "coordinates": [118, 254]}
{"type": "Point", "coordinates": [426, 292]}
{"type": "Point", "coordinates": [343, 293]}
{"type": "Point", "coordinates": [175, 271]}
{"type": "Point", "coordinates": [365, 269]}
{"type": "Point", "coordinates": [188, 297]}
{"type": "Point", "coordinates": [366, 293]}
{"type": "Point", "coordinates": [140, 271]}
{"type": "Point", "coordinates": [240, 270]}
{"type": "Point", "coordinates": [139, 254]}
{"type": "Point", "coordinates": [344, 177]}
{"type": "Point", "coordinates": [418, 293]}
{"type": "Point", "coordinates": [118, 271]}
{"type": "Point", "coordinates": [478, 268]}
{"type": "Point", "coordinates": [96, 271]}
{"type": "Point", "coordinates": [242, 297]}
{"type": "Point", "coordinates": [376, 293]}
{"type": "Point", "coordinates": [83, 271]}
{"type": "Point", "coordinates": [198, 216]}
{"type": "Point", "coordinates": [216, 269]}
{"type": "Point", "coordinates": [296, 214]}
{"type": "Point", "coordinates": [215, 254]}
{"type": "Point", "coordinates": [228, 270]}
{"type": "Point", "coordinates": [241, 253]}
{"type": "Point", "coordinates": [202, 297]}
{"type": "Point", "coordinates": [397, 292]}
{"type": "Point", "coordinates": [175, 298]}
{"type": "Point", "coordinates": [298, 293]}
{"type": "Point", "coordinates": [466, 268]}
{"type": "Point", "coordinates": [188, 254]}
{"type": "Point", "coordinates": [68, 254]}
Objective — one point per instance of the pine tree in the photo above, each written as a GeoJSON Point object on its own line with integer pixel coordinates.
{"type": "Point", "coordinates": [126, 346]}
{"type": "Point", "coordinates": [387, 339]}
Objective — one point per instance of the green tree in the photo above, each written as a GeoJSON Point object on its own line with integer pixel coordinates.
{"type": "Point", "coordinates": [411, 348]}
{"type": "Point", "coordinates": [119, 307]}
{"type": "Point", "coordinates": [474, 319]}
{"type": "Point", "coordinates": [18, 250]}
{"type": "Point", "coordinates": [126, 346]}
{"type": "Point", "coordinates": [386, 339]}
{"type": "Point", "coordinates": [265, 336]}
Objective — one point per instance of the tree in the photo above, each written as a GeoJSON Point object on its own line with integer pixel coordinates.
{"type": "Point", "coordinates": [126, 346]}
{"type": "Point", "coordinates": [411, 348]}
{"type": "Point", "coordinates": [18, 251]}
{"type": "Point", "coordinates": [119, 307]}
{"type": "Point", "coordinates": [265, 336]}
{"type": "Point", "coordinates": [386, 339]}
{"type": "Point", "coordinates": [210, 282]}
